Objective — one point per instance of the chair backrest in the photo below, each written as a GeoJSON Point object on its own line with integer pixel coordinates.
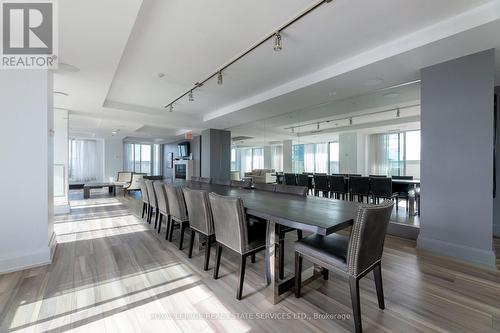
{"type": "Point", "coordinates": [302, 180]}
{"type": "Point", "coordinates": [366, 242]}
{"type": "Point", "coordinates": [290, 179]}
{"type": "Point", "coordinates": [176, 203]}
{"type": "Point", "coordinates": [378, 176]}
{"type": "Point", "coordinates": [381, 186]}
{"type": "Point", "coordinates": [294, 190]}
{"type": "Point", "coordinates": [195, 179]}
{"type": "Point", "coordinates": [161, 196]}
{"type": "Point", "coordinates": [153, 200]}
{"type": "Point", "coordinates": [359, 185]}
{"type": "Point", "coordinates": [230, 221]}
{"type": "Point", "coordinates": [199, 211]}
{"type": "Point", "coordinates": [245, 183]}
{"type": "Point", "coordinates": [136, 180]}
{"type": "Point", "coordinates": [353, 175]}
{"type": "Point", "coordinates": [221, 182]}
{"type": "Point", "coordinates": [338, 184]}
{"type": "Point", "coordinates": [321, 182]}
{"type": "Point", "coordinates": [401, 189]}
{"type": "Point", "coordinates": [264, 187]}
{"type": "Point", "coordinates": [144, 191]}
{"type": "Point", "coordinates": [206, 180]}
{"type": "Point", "coordinates": [124, 177]}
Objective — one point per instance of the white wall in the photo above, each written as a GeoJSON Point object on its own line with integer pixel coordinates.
{"type": "Point", "coordinates": [26, 199]}
{"type": "Point", "coordinates": [287, 156]}
{"type": "Point", "coordinates": [113, 157]}
{"type": "Point", "coordinates": [457, 159]}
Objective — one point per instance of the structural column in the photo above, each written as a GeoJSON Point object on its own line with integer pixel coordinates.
{"type": "Point", "coordinates": [457, 158]}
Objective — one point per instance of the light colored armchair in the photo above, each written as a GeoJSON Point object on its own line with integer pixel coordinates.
{"type": "Point", "coordinates": [262, 176]}
{"type": "Point", "coordinates": [123, 179]}
{"type": "Point", "coordinates": [135, 184]}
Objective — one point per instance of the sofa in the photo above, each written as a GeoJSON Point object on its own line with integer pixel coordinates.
{"type": "Point", "coordinates": [262, 176]}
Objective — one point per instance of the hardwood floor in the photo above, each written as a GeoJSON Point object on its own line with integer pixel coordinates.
{"type": "Point", "coordinates": [112, 273]}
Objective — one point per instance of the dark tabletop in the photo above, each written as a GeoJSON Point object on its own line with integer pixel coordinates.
{"type": "Point", "coordinates": [319, 215]}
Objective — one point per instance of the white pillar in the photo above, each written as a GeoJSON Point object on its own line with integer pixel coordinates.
{"type": "Point", "coordinates": [287, 156]}
{"type": "Point", "coordinates": [26, 146]}
{"type": "Point", "coordinates": [61, 162]}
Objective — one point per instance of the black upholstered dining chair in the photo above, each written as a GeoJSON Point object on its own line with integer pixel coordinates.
{"type": "Point", "coordinates": [290, 179]}
{"type": "Point", "coordinates": [352, 256]}
{"type": "Point", "coordinates": [153, 202]}
{"type": "Point", "coordinates": [245, 183]}
{"type": "Point", "coordinates": [264, 187]}
{"type": "Point", "coordinates": [381, 188]}
{"type": "Point", "coordinates": [338, 186]}
{"type": "Point", "coordinates": [163, 210]}
{"type": "Point", "coordinates": [233, 232]}
{"type": "Point", "coordinates": [200, 220]}
{"type": "Point", "coordinates": [304, 180]}
{"type": "Point", "coordinates": [402, 191]}
{"type": "Point", "coordinates": [178, 212]}
{"type": "Point", "coordinates": [321, 185]}
{"type": "Point", "coordinates": [359, 187]}
{"type": "Point", "coordinates": [144, 198]}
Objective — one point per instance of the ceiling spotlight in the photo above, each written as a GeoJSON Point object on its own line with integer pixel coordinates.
{"type": "Point", "coordinates": [278, 45]}
{"type": "Point", "coordinates": [191, 97]}
{"type": "Point", "coordinates": [219, 78]}
{"type": "Point", "coordinates": [317, 127]}
{"type": "Point", "coordinates": [293, 130]}
{"type": "Point", "coordinates": [171, 108]}
{"type": "Point", "coordinates": [350, 121]}
{"type": "Point", "coordinates": [398, 113]}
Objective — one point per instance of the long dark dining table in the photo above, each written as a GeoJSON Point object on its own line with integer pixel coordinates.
{"type": "Point", "coordinates": [314, 214]}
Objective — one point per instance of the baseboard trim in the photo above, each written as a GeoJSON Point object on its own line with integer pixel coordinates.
{"type": "Point", "coordinates": [25, 260]}
{"type": "Point", "coordinates": [464, 253]}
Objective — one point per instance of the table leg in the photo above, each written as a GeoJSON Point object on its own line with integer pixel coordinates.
{"type": "Point", "coordinates": [86, 193]}
{"type": "Point", "coordinates": [278, 289]}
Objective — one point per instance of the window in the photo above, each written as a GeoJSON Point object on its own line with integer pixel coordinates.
{"type": "Point", "coordinates": [334, 157]}
{"type": "Point", "coordinates": [277, 158]}
{"type": "Point", "coordinates": [82, 160]}
{"type": "Point", "coordinates": [143, 158]}
{"type": "Point", "coordinates": [233, 160]}
{"type": "Point", "coordinates": [311, 157]}
{"type": "Point", "coordinates": [395, 154]}
{"type": "Point", "coordinates": [257, 158]}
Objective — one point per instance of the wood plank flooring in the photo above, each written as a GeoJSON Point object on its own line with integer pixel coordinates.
{"type": "Point", "coordinates": [112, 273]}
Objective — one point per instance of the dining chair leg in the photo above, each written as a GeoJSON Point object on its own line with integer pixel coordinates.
{"type": "Point", "coordinates": [181, 241]}
{"type": "Point", "coordinates": [243, 262]}
{"type": "Point", "coordinates": [167, 232]}
{"type": "Point", "coordinates": [356, 306]}
{"type": "Point", "coordinates": [207, 252]}
{"type": "Point", "coordinates": [160, 218]}
{"type": "Point", "coordinates": [324, 272]}
{"type": "Point", "coordinates": [156, 217]}
{"type": "Point", "coordinates": [252, 258]}
{"type": "Point", "coordinates": [298, 274]}
{"type": "Point", "coordinates": [143, 209]}
{"type": "Point", "coordinates": [281, 249]}
{"type": "Point", "coordinates": [217, 261]}
{"type": "Point", "coordinates": [171, 233]}
{"type": "Point", "coordinates": [377, 274]}
{"type": "Point", "coordinates": [191, 244]}
{"type": "Point", "coordinates": [397, 204]}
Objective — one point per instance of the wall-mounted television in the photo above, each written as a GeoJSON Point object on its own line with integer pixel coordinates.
{"type": "Point", "coordinates": [183, 150]}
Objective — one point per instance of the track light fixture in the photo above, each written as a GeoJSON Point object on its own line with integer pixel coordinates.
{"type": "Point", "coordinates": [191, 96]}
{"type": "Point", "coordinates": [350, 121]}
{"type": "Point", "coordinates": [278, 44]}
{"type": "Point", "coordinates": [171, 108]}
{"type": "Point", "coordinates": [293, 130]}
{"type": "Point", "coordinates": [398, 113]}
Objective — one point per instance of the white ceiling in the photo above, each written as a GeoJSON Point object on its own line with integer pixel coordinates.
{"type": "Point", "coordinates": [327, 59]}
